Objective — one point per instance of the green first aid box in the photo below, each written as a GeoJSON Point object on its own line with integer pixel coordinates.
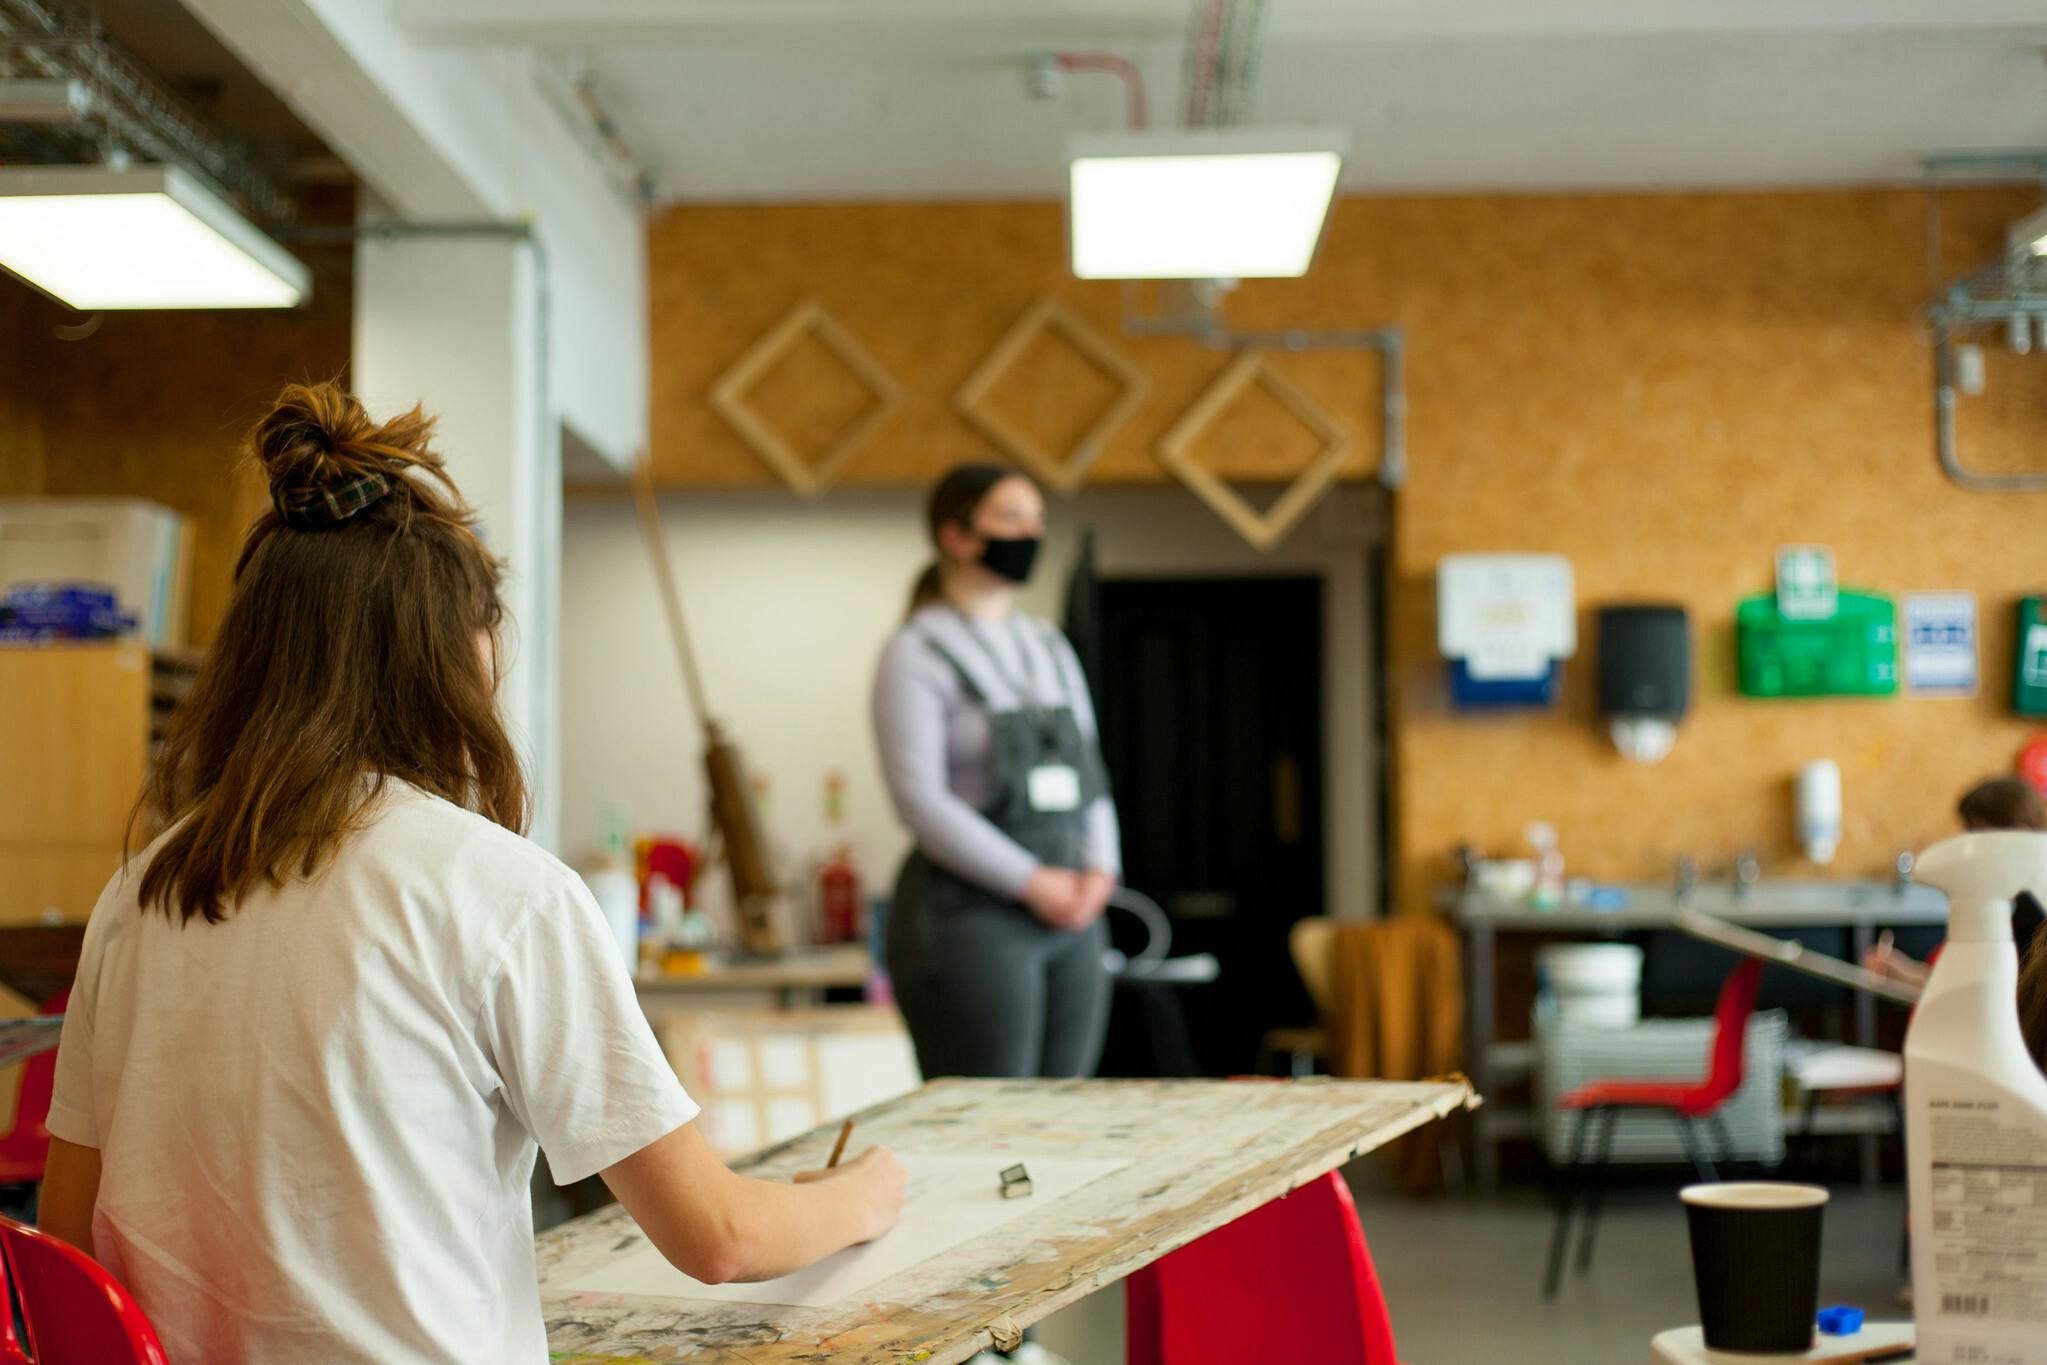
{"type": "Point", "coordinates": [1853, 653]}
{"type": "Point", "coordinates": [2029, 668]}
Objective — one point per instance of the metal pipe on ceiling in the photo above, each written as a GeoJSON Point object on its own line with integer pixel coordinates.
{"type": "Point", "coordinates": [568, 84]}
{"type": "Point", "coordinates": [1121, 67]}
{"type": "Point", "coordinates": [2011, 293]}
{"type": "Point", "coordinates": [1201, 320]}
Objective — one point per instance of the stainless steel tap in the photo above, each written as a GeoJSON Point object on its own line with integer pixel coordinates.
{"type": "Point", "coordinates": [1901, 878]}
{"type": "Point", "coordinates": [1747, 870]}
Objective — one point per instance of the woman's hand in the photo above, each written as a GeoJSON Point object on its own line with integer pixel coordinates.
{"type": "Point", "coordinates": [1096, 886]}
{"type": "Point", "coordinates": [1068, 900]}
{"type": "Point", "coordinates": [1051, 894]}
{"type": "Point", "coordinates": [1887, 962]}
{"type": "Point", "coordinates": [877, 1181]}
{"type": "Point", "coordinates": [721, 1227]}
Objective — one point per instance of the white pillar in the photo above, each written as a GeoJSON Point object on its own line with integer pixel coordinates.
{"type": "Point", "coordinates": [457, 323]}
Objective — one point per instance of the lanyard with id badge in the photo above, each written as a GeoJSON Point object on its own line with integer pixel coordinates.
{"type": "Point", "coordinates": [1054, 787]}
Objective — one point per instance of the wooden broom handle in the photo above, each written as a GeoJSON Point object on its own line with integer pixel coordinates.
{"type": "Point", "coordinates": [671, 600]}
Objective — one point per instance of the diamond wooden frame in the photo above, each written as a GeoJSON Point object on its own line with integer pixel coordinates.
{"type": "Point", "coordinates": [1068, 472]}
{"type": "Point", "coordinates": [1262, 531]}
{"type": "Point", "coordinates": [728, 398]}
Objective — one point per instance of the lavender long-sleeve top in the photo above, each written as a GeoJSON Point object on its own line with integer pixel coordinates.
{"type": "Point", "coordinates": [934, 741]}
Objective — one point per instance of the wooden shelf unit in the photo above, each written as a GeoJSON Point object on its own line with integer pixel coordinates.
{"type": "Point", "coordinates": [79, 726]}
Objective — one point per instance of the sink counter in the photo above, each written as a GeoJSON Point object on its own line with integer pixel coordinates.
{"type": "Point", "coordinates": [1786, 903]}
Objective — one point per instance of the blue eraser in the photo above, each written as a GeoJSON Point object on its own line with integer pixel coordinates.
{"type": "Point", "coordinates": [1840, 1322]}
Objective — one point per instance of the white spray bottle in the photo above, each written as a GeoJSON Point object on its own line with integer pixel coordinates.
{"type": "Point", "coordinates": [1976, 1119]}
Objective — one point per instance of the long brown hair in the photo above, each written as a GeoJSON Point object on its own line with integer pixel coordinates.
{"type": "Point", "coordinates": [2033, 998]}
{"type": "Point", "coordinates": [952, 502]}
{"type": "Point", "coordinates": [349, 656]}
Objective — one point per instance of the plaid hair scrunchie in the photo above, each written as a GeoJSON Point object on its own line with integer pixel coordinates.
{"type": "Point", "coordinates": [330, 504]}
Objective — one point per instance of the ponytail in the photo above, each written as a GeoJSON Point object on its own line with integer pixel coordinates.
{"type": "Point", "coordinates": [928, 590]}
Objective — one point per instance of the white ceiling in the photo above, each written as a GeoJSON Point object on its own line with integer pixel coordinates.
{"type": "Point", "coordinates": [795, 99]}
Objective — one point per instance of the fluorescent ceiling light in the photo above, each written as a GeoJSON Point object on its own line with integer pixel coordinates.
{"type": "Point", "coordinates": [145, 237]}
{"type": "Point", "coordinates": [2030, 233]}
{"type": "Point", "coordinates": [1198, 204]}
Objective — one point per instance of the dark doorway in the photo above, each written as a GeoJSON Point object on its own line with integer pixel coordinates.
{"type": "Point", "coordinates": [1211, 717]}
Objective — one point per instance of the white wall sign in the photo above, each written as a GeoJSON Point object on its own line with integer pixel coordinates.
{"type": "Point", "coordinates": [1940, 643]}
{"type": "Point", "coordinates": [1506, 616]}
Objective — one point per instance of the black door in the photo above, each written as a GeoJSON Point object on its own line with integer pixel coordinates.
{"type": "Point", "coordinates": [1211, 713]}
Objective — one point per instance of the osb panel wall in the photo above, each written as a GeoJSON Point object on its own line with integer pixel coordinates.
{"type": "Point", "coordinates": [928, 290]}
{"type": "Point", "coordinates": [1666, 389]}
{"type": "Point", "coordinates": [156, 406]}
{"type": "Point", "coordinates": [21, 424]}
{"type": "Point", "coordinates": [1662, 387]}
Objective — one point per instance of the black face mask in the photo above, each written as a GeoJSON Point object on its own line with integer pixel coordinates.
{"type": "Point", "coordinates": [1011, 558]}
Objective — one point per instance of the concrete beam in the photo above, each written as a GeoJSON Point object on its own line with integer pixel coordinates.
{"type": "Point", "coordinates": [465, 133]}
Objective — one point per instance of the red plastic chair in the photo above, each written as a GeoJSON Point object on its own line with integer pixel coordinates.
{"type": "Point", "coordinates": [75, 1312]}
{"type": "Point", "coordinates": [25, 1148]}
{"type": "Point", "coordinates": [1687, 1102]}
{"type": "Point", "coordinates": [1290, 1281]}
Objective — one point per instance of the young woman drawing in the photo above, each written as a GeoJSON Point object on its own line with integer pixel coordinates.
{"type": "Point", "coordinates": [322, 1022]}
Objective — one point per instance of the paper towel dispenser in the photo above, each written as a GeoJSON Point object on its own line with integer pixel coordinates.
{"type": "Point", "coordinates": [1645, 675]}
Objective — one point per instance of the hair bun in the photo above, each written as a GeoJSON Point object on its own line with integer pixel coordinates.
{"type": "Point", "coordinates": [327, 461]}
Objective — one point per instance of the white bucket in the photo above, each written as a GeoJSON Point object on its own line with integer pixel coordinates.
{"type": "Point", "coordinates": [1593, 983]}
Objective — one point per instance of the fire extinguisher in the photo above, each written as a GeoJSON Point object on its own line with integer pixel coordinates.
{"type": "Point", "coordinates": [838, 898]}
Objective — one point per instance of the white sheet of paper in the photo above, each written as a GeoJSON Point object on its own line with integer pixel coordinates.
{"type": "Point", "coordinates": [952, 1199]}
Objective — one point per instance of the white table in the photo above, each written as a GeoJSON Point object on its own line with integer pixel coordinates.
{"type": "Point", "coordinates": [798, 976]}
{"type": "Point", "coordinates": [1863, 908]}
{"type": "Point", "coordinates": [1687, 1346]}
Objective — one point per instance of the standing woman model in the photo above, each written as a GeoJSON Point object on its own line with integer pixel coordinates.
{"type": "Point", "coordinates": [988, 744]}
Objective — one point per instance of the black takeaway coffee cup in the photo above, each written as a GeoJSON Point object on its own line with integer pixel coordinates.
{"type": "Point", "coordinates": [1756, 1262]}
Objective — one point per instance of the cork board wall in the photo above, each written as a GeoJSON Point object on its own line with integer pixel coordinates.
{"type": "Point", "coordinates": [928, 290]}
{"type": "Point", "coordinates": [156, 406]}
{"type": "Point", "coordinates": [1663, 387]}
{"type": "Point", "coordinates": [1665, 390]}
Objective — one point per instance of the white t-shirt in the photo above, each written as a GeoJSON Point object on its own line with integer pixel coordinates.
{"type": "Point", "coordinates": [317, 1120]}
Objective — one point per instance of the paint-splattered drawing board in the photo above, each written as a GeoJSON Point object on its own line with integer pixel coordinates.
{"type": "Point", "coordinates": [1123, 1172]}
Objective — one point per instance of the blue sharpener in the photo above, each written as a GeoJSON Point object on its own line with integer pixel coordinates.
{"type": "Point", "coordinates": [1840, 1322]}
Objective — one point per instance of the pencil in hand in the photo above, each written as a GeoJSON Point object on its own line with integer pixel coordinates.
{"type": "Point", "coordinates": [839, 1147]}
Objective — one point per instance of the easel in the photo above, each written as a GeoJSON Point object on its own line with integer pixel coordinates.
{"type": "Point", "coordinates": [1786, 952]}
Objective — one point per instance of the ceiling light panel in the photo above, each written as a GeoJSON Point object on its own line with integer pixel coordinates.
{"type": "Point", "coordinates": [142, 238]}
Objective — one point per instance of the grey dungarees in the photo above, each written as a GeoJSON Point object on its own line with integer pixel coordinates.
{"type": "Point", "coordinates": [986, 988]}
